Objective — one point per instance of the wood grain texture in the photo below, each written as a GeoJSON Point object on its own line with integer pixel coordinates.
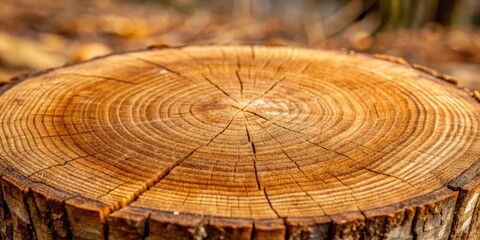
{"type": "Point", "coordinates": [239, 142]}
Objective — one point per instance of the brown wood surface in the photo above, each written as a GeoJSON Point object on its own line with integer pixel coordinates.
{"type": "Point", "coordinates": [239, 142]}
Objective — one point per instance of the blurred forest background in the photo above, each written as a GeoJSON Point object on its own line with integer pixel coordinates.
{"type": "Point", "coordinates": [441, 34]}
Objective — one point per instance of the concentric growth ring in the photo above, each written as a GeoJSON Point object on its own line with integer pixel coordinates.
{"type": "Point", "coordinates": [239, 142]}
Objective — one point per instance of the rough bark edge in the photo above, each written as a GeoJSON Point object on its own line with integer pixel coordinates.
{"type": "Point", "coordinates": [466, 223]}
{"type": "Point", "coordinates": [426, 217]}
{"type": "Point", "coordinates": [15, 194]}
{"type": "Point", "coordinates": [131, 224]}
{"type": "Point", "coordinates": [419, 67]}
{"type": "Point", "coordinates": [135, 223]}
{"type": "Point", "coordinates": [343, 225]}
{"type": "Point", "coordinates": [432, 218]}
{"type": "Point", "coordinates": [38, 211]}
{"type": "Point", "coordinates": [476, 95]}
{"type": "Point", "coordinates": [6, 227]}
{"type": "Point", "coordinates": [466, 220]}
{"type": "Point", "coordinates": [426, 70]}
{"type": "Point", "coordinates": [87, 218]}
{"type": "Point", "coordinates": [309, 228]}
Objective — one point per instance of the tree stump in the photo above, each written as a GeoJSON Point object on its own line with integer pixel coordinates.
{"type": "Point", "coordinates": [239, 142]}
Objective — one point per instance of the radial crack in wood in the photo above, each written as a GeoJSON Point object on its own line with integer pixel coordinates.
{"type": "Point", "coordinates": [239, 142]}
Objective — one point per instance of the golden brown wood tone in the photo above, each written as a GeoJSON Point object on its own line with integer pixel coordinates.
{"type": "Point", "coordinates": [239, 142]}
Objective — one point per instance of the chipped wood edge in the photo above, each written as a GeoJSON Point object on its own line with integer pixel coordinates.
{"type": "Point", "coordinates": [431, 72]}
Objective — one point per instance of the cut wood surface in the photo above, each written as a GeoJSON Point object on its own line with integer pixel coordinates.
{"type": "Point", "coordinates": [239, 142]}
